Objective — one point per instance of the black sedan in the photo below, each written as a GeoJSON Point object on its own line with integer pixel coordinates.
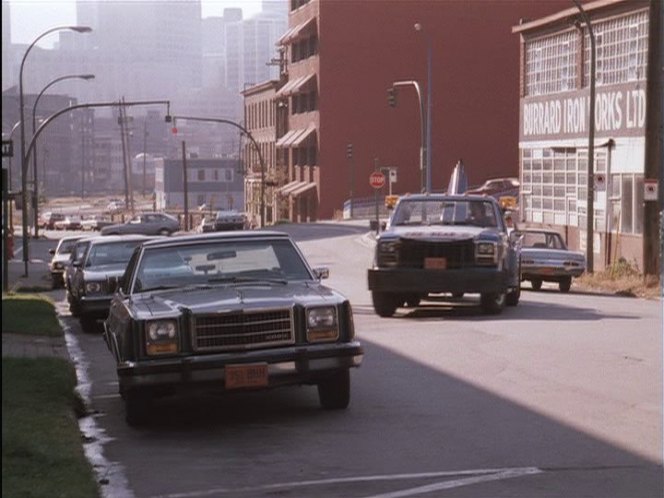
{"type": "Point", "coordinates": [228, 311]}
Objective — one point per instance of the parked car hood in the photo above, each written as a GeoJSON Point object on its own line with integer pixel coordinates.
{"type": "Point", "coordinates": [242, 296]}
{"type": "Point", "coordinates": [441, 232]}
{"type": "Point", "coordinates": [103, 271]}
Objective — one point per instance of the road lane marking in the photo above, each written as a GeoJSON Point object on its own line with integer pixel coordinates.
{"type": "Point", "coordinates": [478, 475]}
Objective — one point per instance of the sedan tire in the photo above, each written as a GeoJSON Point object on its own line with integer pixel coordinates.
{"type": "Point", "coordinates": [334, 391]}
{"type": "Point", "coordinates": [565, 284]}
{"type": "Point", "coordinates": [536, 283]}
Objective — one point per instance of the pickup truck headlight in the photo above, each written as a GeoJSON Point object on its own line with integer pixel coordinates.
{"type": "Point", "coordinates": [161, 337]}
{"type": "Point", "coordinates": [93, 287]}
{"type": "Point", "coordinates": [388, 253]}
{"type": "Point", "coordinates": [486, 253]}
{"type": "Point", "coordinates": [322, 324]}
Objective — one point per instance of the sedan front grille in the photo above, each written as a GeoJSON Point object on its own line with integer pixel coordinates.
{"type": "Point", "coordinates": [243, 330]}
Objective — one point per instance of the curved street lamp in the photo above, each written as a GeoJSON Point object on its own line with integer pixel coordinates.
{"type": "Point", "coordinates": [24, 165]}
{"type": "Point", "coordinates": [418, 28]}
{"type": "Point", "coordinates": [35, 201]}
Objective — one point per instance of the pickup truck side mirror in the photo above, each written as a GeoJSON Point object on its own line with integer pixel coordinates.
{"type": "Point", "coordinates": [322, 272]}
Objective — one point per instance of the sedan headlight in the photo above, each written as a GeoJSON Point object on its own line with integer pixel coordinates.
{"type": "Point", "coordinates": [161, 337]}
{"type": "Point", "coordinates": [322, 324]}
{"type": "Point", "coordinates": [93, 287]}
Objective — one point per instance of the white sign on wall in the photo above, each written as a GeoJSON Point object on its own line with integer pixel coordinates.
{"type": "Point", "coordinates": [650, 190]}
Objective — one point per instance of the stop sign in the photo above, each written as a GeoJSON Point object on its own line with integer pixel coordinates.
{"type": "Point", "coordinates": [377, 179]}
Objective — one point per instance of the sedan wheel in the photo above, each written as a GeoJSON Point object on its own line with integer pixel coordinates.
{"type": "Point", "coordinates": [492, 303]}
{"type": "Point", "coordinates": [137, 407]}
{"type": "Point", "coordinates": [536, 283]}
{"type": "Point", "coordinates": [334, 391]}
{"type": "Point", "coordinates": [565, 284]}
{"type": "Point", "coordinates": [164, 232]}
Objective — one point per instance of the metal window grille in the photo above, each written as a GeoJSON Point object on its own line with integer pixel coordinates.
{"type": "Point", "coordinates": [621, 49]}
{"type": "Point", "coordinates": [551, 64]}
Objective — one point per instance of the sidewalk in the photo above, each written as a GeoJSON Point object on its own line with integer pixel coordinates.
{"type": "Point", "coordinates": [31, 346]}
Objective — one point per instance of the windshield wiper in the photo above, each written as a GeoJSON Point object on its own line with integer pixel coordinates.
{"type": "Point", "coordinates": [239, 280]}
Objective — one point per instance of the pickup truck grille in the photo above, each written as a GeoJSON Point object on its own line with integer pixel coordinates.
{"type": "Point", "coordinates": [458, 254]}
{"type": "Point", "coordinates": [243, 330]}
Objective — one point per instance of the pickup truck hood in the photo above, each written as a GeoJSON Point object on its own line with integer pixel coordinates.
{"type": "Point", "coordinates": [440, 232]}
{"type": "Point", "coordinates": [239, 296]}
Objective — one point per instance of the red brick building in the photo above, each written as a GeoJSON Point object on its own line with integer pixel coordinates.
{"type": "Point", "coordinates": [343, 55]}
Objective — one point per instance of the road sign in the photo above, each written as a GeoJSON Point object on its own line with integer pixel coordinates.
{"type": "Point", "coordinates": [650, 191]}
{"type": "Point", "coordinates": [377, 179]}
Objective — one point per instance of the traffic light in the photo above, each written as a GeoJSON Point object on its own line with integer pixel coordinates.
{"type": "Point", "coordinates": [349, 151]}
{"type": "Point", "coordinates": [392, 96]}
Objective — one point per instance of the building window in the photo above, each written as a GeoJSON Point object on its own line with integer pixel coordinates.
{"type": "Point", "coordinates": [201, 175]}
{"type": "Point", "coordinates": [621, 49]}
{"type": "Point", "coordinates": [554, 185]}
{"type": "Point", "coordinates": [551, 64]}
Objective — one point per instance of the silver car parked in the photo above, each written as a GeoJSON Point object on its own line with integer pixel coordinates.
{"type": "Point", "coordinates": [545, 258]}
{"type": "Point", "coordinates": [145, 224]}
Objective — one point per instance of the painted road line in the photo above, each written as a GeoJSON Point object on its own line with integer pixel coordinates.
{"type": "Point", "coordinates": [478, 475]}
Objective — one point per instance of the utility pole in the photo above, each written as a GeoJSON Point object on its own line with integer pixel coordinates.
{"type": "Point", "coordinates": [121, 122]}
{"type": "Point", "coordinates": [145, 148]}
{"type": "Point", "coordinates": [185, 187]}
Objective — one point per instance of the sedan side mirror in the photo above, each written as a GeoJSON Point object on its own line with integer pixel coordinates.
{"type": "Point", "coordinates": [113, 284]}
{"type": "Point", "coordinates": [76, 263]}
{"type": "Point", "coordinates": [51, 252]}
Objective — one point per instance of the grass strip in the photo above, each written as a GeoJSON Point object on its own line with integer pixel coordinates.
{"type": "Point", "coordinates": [31, 314]}
{"type": "Point", "coordinates": [42, 454]}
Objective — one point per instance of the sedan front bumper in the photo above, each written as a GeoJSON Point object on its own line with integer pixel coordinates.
{"type": "Point", "coordinates": [285, 366]}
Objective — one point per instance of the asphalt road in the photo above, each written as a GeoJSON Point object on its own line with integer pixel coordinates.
{"type": "Point", "coordinates": [558, 397]}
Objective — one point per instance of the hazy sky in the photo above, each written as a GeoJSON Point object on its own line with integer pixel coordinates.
{"type": "Point", "coordinates": [30, 18]}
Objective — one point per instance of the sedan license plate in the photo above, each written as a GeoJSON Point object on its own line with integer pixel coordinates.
{"type": "Point", "coordinates": [435, 263]}
{"type": "Point", "coordinates": [248, 375]}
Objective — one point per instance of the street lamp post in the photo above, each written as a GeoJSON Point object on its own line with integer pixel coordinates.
{"type": "Point", "coordinates": [418, 27]}
{"type": "Point", "coordinates": [24, 164]}
{"type": "Point", "coordinates": [590, 208]}
{"type": "Point", "coordinates": [35, 200]}
{"type": "Point", "coordinates": [423, 134]}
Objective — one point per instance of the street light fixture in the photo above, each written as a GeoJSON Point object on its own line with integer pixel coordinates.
{"type": "Point", "coordinates": [248, 134]}
{"type": "Point", "coordinates": [418, 27]}
{"type": "Point", "coordinates": [590, 208]}
{"type": "Point", "coordinates": [24, 164]}
{"type": "Point", "coordinates": [35, 201]}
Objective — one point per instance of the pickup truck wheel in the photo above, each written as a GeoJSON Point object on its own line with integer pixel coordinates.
{"type": "Point", "coordinates": [565, 284]}
{"type": "Point", "coordinates": [413, 300]}
{"type": "Point", "coordinates": [57, 282]}
{"type": "Point", "coordinates": [385, 303]}
{"type": "Point", "coordinates": [137, 407]}
{"type": "Point", "coordinates": [512, 298]}
{"type": "Point", "coordinates": [492, 303]}
{"type": "Point", "coordinates": [334, 391]}
{"type": "Point", "coordinates": [536, 283]}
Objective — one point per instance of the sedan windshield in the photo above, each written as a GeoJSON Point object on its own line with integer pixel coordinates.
{"type": "Point", "coordinates": [226, 262]}
{"type": "Point", "coordinates": [111, 253]}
